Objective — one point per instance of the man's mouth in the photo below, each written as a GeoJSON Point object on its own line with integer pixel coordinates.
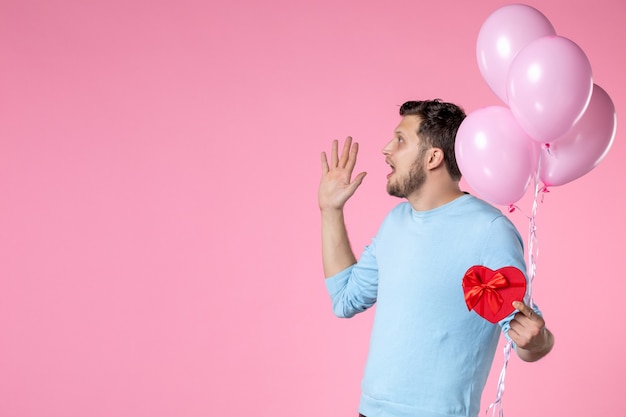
{"type": "Point", "coordinates": [393, 169]}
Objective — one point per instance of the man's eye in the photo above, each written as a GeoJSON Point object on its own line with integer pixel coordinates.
{"type": "Point", "coordinates": [400, 140]}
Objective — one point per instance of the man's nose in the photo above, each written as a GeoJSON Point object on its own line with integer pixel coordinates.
{"type": "Point", "coordinates": [387, 149]}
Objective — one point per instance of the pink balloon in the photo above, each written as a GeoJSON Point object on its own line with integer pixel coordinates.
{"type": "Point", "coordinates": [503, 34]}
{"type": "Point", "coordinates": [584, 146]}
{"type": "Point", "coordinates": [549, 87]}
{"type": "Point", "coordinates": [495, 155]}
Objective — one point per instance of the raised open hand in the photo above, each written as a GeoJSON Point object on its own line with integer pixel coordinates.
{"type": "Point", "coordinates": [337, 185]}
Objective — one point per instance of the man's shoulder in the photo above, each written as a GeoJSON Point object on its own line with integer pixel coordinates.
{"type": "Point", "coordinates": [479, 206]}
{"type": "Point", "coordinates": [478, 214]}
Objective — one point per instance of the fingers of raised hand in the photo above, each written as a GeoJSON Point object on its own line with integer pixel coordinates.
{"type": "Point", "coordinates": [334, 159]}
{"type": "Point", "coordinates": [354, 150]}
{"type": "Point", "coordinates": [324, 163]}
{"type": "Point", "coordinates": [341, 165]}
{"type": "Point", "coordinates": [345, 152]}
{"type": "Point", "coordinates": [359, 179]}
{"type": "Point", "coordinates": [347, 158]}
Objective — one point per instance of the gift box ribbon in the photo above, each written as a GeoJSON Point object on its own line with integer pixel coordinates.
{"type": "Point", "coordinates": [478, 289]}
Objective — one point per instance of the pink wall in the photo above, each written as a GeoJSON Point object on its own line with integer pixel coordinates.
{"type": "Point", "coordinates": [159, 244]}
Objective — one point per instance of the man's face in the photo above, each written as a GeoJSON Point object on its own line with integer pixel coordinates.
{"type": "Point", "coordinates": [405, 154]}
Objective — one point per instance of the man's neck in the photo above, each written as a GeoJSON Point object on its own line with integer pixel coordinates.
{"type": "Point", "coordinates": [434, 194]}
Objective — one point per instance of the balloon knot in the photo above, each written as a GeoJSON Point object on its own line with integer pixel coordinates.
{"type": "Point", "coordinates": [546, 146]}
{"type": "Point", "coordinates": [511, 208]}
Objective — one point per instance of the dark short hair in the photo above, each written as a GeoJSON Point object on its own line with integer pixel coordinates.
{"type": "Point", "coordinates": [439, 122]}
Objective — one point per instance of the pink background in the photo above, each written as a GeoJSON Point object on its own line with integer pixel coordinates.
{"type": "Point", "coordinates": [159, 161]}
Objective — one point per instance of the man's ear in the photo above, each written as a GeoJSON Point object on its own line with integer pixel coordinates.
{"type": "Point", "coordinates": [435, 158]}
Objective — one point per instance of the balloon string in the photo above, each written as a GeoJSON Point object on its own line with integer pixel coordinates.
{"type": "Point", "coordinates": [533, 253]}
{"type": "Point", "coordinates": [496, 406]}
{"type": "Point", "coordinates": [533, 241]}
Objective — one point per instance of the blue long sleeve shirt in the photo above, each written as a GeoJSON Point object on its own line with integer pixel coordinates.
{"type": "Point", "coordinates": [428, 356]}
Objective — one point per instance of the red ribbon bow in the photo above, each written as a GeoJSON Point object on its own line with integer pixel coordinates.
{"type": "Point", "coordinates": [479, 289]}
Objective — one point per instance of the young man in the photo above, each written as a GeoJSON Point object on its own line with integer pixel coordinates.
{"type": "Point", "coordinates": [429, 356]}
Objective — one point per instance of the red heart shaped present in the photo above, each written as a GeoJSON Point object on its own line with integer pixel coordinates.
{"type": "Point", "coordinates": [490, 293]}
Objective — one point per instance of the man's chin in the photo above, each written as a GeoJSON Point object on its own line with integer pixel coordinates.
{"type": "Point", "coordinates": [394, 192]}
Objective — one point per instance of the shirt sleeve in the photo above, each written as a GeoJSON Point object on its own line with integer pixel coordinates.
{"type": "Point", "coordinates": [355, 289]}
{"type": "Point", "coordinates": [505, 247]}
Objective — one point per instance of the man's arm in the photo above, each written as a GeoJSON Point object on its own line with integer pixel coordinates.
{"type": "Point", "coordinates": [336, 187]}
{"type": "Point", "coordinates": [530, 334]}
